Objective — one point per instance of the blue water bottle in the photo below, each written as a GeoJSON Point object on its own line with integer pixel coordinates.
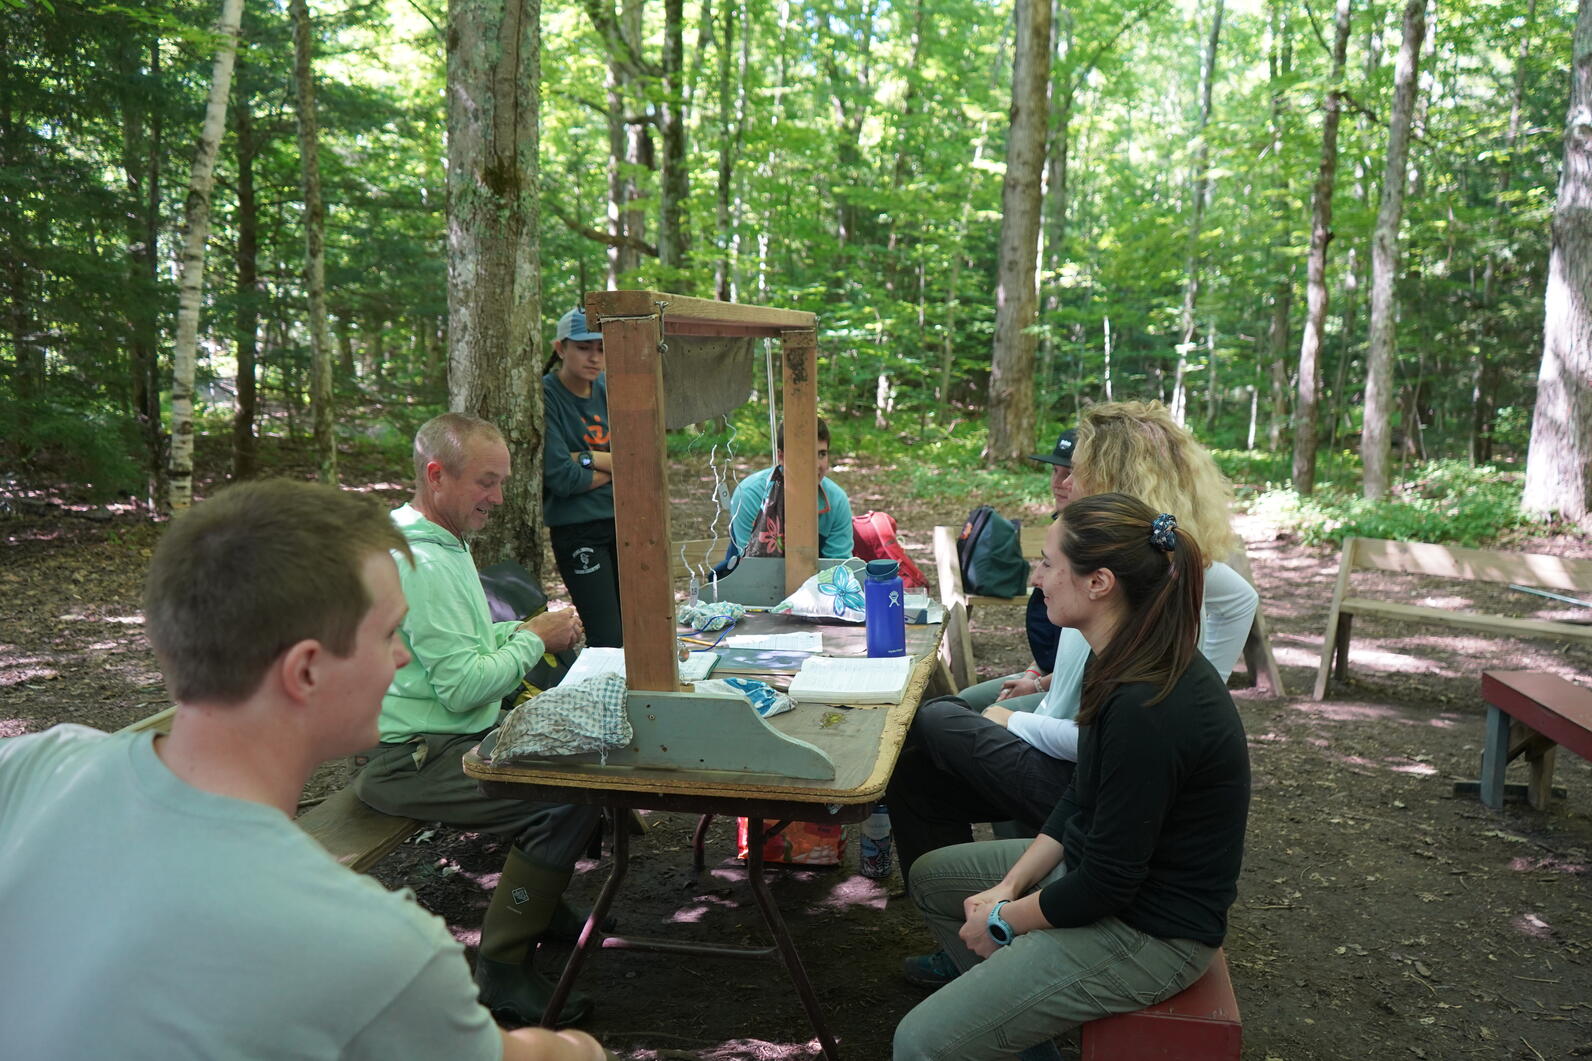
{"type": "Point", "coordinates": [885, 603]}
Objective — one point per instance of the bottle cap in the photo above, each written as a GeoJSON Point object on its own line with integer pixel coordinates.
{"type": "Point", "coordinates": [883, 570]}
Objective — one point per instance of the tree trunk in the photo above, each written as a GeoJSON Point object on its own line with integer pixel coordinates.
{"type": "Point", "coordinates": [248, 293]}
{"type": "Point", "coordinates": [1199, 188]}
{"type": "Point", "coordinates": [674, 242]}
{"type": "Point", "coordinates": [1011, 399]}
{"type": "Point", "coordinates": [1379, 397]}
{"type": "Point", "coordinates": [141, 154]}
{"type": "Point", "coordinates": [1559, 462]}
{"type": "Point", "coordinates": [732, 135]}
{"type": "Point", "coordinates": [196, 230]}
{"type": "Point", "coordinates": [1305, 416]}
{"type": "Point", "coordinates": [494, 244]}
{"type": "Point", "coordinates": [321, 396]}
{"type": "Point", "coordinates": [1277, 344]}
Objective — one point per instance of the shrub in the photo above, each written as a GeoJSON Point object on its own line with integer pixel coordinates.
{"type": "Point", "coordinates": [1445, 501]}
{"type": "Point", "coordinates": [95, 448]}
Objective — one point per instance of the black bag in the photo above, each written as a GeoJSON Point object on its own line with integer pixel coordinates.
{"type": "Point", "coordinates": [990, 551]}
{"type": "Point", "coordinates": [512, 594]}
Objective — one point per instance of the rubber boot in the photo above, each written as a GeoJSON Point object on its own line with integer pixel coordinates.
{"type": "Point", "coordinates": [516, 919]}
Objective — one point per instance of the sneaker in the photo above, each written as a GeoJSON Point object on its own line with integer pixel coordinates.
{"type": "Point", "coordinates": [930, 971]}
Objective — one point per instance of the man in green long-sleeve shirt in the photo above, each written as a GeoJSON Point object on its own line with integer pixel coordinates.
{"type": "Point", "coordinates": [447, 697]}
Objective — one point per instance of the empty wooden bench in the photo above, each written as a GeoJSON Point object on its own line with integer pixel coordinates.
{"type": "Point", "coordinates": [1530, 713]}
{"type": "Point", "coordinates": [957, 647]}
{"type": "Point", "coordinates": [1443, 561]}
{"type": "Point", "coordinates": [1200, 1023]}
{"type": "Point", "coordinates": [356, 835]}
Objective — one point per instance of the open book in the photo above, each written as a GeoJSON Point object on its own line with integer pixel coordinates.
{"type": "Point", "coordinates": [604, 660]}
{"type": "Point", "coordinates": [851, 680]}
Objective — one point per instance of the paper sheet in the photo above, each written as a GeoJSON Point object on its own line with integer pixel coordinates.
{"type": "Point", "coordinates": [605, 660]}
{"type": "Point", "coordinates": [801, 641]}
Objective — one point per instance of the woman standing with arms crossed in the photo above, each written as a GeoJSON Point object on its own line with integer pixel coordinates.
{"type": "Point", "coordinates": [1122, 899]}
{"type": "Point", "coordinates": [577, 479]}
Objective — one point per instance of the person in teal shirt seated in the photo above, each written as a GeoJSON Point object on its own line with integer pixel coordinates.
{"type": "Point", "coordinates": [834, 508]}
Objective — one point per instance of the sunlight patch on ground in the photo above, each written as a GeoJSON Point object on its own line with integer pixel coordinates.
{"type": "Point", "coordinates": [18, 675]}
{"type": "Point", "coordinates": [1533, 926]}
{"type": "Point", "coordinates": [1268, 738]}
{"type": "Point", "coordinates": [760, 1050]}
{"type": "Point", "coordinates": [853, 891]}
{"type": "Point", "coordinates": [1365, 657]}
{"type": "Point", "coordinates": [1291, 656]}
{"type": "Point", "coordinates": [688, 915]}
{"type": "Point", "coordinates": [13, 727]}
{"type": "Point", "coordinates": [1340, 712]}
{"type": "Point", "coordinates": [1417, 769]}
{"type": "Point", "coordinates": [1550, 864]}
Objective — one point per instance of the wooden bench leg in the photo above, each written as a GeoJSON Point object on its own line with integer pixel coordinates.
{"type": "Point", "coordinates": [1540, 788]}
{"type": "Point", "coordinates": [1494, 758]}
{"type": "Point", "coordinates": [1340, 646]}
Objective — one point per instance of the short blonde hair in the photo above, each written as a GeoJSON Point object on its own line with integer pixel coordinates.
{"type": "Point", "coordinates": [1136, 448]}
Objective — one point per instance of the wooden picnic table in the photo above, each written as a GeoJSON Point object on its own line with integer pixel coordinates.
{"type": "Point", "coordinates": [863, 744]}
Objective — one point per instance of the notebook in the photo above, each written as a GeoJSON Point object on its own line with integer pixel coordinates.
{"type": "Point", "coordinates": [602, 660]}
{"type": "Point", "coordinates": [851, 680]}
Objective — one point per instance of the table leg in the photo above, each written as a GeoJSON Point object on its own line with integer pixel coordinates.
{"type": "Point", "coordinates": [1494, 758]}
{"type": "Point", "coordinates": [589, 933]}
{"type": "Point", "coordinates": [787, 949]}
{"type": "Point", "coordinates": [699, 841]}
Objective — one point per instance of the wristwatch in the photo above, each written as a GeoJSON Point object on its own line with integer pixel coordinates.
{"type": "Point", "coordinates": [999, 930]}
{"type": "Point", "coordinates": [585, 459]}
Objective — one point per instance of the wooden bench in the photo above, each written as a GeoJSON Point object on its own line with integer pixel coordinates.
{"type": "Point", "coordinates": [1200, 1023]}
{"type": "Point", "coordinates": [356, 835]}
{"type": "Point", "coordinates": [1530, 713]}
{"type": "Point", "coordinates": [957, 648]}
{"type": "Point", "coordinates": [1476, 565]}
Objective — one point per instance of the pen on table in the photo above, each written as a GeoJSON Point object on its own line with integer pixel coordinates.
{"type": "Point", "coordinates": [698, 641]}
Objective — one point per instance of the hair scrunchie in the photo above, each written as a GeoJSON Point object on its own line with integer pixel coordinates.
{"type": "Point", "coordinates": [1163, 532]}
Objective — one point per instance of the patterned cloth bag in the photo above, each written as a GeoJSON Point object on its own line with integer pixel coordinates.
{"type": "Point", "coordinates": [568, 720]}
{"type": "Point", "coordinates": [833, 593]}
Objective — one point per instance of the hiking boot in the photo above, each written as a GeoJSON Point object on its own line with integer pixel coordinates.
{"type": "Point", "coordinates": [930, 971]}
{"type": "Point", "coordinates": [519, 993]}
{"type": "Point", "coordinates": [567, 921]}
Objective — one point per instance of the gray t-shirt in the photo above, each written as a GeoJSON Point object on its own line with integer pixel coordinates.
{"type": "Point", "coordinates": [145, 918]}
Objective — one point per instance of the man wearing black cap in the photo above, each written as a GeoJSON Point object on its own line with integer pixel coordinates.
{"type": "Point", "coordinates": [1024, 691]}
{"type": "Point", "coordinates": [577, 479]}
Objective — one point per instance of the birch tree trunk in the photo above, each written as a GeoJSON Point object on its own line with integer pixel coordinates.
{"type": "Point", "coordinates": [321, 411]}
{"type": "Point", "coordinates": [1379, 398]}
{"type": "Point", "coordinates": [1309, 394]}
{"type": "Point", "coordinates": [1559, 462]}
{"type": "Point", "coordinates": [1199, 188]}
{"type": "Point", "coordinates": [494, 237]}
{"type": "Point", "coordinates": [1011, 400]}
{"type": "Point", "coordinates": [196, 230]}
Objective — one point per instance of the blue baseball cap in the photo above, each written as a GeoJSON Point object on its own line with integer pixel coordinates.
{"type": "Point", "coordinates": [572, 325]}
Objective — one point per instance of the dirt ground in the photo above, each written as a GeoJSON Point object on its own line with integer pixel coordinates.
{"type": "Point", "coordinates": [1379, 914]}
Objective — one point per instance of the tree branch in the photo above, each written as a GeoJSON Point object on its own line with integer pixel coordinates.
{"type": "Point", "coordinates": [599, 236]}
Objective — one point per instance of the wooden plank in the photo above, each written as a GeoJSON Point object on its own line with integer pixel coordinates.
{"type": "Point", "coordinates": [1495, 624]}
{"type": "Point", "coordinates": [1478, 565]}
{"type": "Point", "coordinates": [799, 358]}
{"type": "Point", "coordinates": [355, 834]}
{"type": "Point", "coordinates": [1558, 709]}
{"type": "Point", "coordinates": [1033, 539]}
{"type": "Point", "coordinates": [697, 315]}
{"type": "Point", "coordinates": [641, 501]}
{"type": "Point", "coordinates": [956, 647]}
{"type": "Point", "coordinates": [947, 567]}
{"type": "Point", "coordinates": [1258, 657]}
{"type": "Point", "coordinates": [160, 722]}
{"type": "Point", "coordinates": [1329, 640]}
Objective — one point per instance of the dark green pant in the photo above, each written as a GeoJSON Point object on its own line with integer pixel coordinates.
{"type": "Point", "coordinates": [424, 778]}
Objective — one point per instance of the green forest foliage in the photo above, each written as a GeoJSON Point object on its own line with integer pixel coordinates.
{"type": "Point", "coordinates": [865, 145]}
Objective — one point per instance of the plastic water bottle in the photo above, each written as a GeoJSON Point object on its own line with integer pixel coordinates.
{"type": "Point", "coordinates": [885, 605]}
{"type": "Point", "coordinates": [873, 858]}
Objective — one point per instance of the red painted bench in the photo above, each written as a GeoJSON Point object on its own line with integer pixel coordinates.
{"type": "Point", "coordinates": [1531, 713]}
{"type": "Point", "coordinates": [1200, 1023]}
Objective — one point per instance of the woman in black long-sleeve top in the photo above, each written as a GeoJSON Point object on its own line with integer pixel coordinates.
{"type": "Point", "coordinates": [1122, 899]}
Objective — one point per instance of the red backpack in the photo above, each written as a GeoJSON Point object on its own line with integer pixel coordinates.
{"type": "Point", "coordinates": [874, 538]}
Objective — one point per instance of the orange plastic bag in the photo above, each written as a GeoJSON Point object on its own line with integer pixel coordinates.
{"type": "Point", "coordinates": [799, 843]}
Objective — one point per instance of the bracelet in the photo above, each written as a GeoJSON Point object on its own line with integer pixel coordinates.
{"type": "Point", "coordinates": [1034, 671]}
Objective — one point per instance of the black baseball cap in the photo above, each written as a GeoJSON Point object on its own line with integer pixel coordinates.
{"type": "Point", "coordinates": [1062, 454]}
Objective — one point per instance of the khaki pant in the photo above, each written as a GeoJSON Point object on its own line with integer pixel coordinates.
{"type": "Point", "coordinates": [1045, 983]}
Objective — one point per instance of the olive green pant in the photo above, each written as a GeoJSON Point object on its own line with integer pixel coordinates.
{"type": "Point", "coordinates": [1045, 983]}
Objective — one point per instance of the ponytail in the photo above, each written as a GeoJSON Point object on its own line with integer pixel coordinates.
{"type": "Point", "coordinates": [1161, 572]}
